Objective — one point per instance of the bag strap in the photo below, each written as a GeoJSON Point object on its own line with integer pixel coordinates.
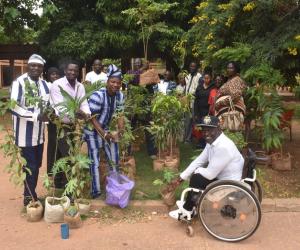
{"type": "Point", "coordinates": [231, 104]}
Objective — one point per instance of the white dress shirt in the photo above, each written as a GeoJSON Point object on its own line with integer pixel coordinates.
{"type": "Point", "coordinates": [94, 77]}
{"type": "Point", "coordinates": [223, 161]}
{"type": "Point", "coordinates": [162, 86]}
{"type": "Point", "coordinates": [56, 96]}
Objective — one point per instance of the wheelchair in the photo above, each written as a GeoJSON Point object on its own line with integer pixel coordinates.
{"type": "Point", "coordinates": [228, 210]}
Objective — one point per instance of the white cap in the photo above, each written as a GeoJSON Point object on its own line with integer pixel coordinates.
{"type": "Point", "coordinates": [34, 58]}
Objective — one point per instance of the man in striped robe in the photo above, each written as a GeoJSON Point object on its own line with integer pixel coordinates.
{"type": "Point", "coordinates": [30, 93]}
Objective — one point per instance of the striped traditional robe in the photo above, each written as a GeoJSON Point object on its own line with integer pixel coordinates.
{"type": "Point", "coordinates": [28, 131]}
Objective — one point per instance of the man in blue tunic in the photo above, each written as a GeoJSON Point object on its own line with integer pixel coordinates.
{"type": "Point", "coordinates": [103, 104]}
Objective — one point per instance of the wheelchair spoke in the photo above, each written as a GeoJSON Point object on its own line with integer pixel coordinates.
{"type": "Point", "coordinates": [229, 211]}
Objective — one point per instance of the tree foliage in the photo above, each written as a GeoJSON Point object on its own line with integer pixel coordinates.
{"type": "Point", "coordinates": [18, 21]}
{"type": "Point", "coordinates": [147, 16]}
{"type": "Point", "coordinates": [85, 29]}
{"type": "Point", "coordinates": [251, 32]}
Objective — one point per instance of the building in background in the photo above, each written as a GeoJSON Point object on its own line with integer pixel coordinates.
{"type": "Point", "coordinates": [13, 61]}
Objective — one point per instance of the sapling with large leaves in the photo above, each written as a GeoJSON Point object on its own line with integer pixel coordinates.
{"type": "Point", "coordinates": [17, 165]}
{"type": "Point", "coordinates": [167, 124]}
{"type": "Point", "coordinates": [75, 166]}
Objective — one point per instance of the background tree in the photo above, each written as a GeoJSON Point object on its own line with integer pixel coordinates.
{"type": "Point", "coordinates": [147, 15]}
{"type": "Point", "coordinates": [88, 28]}
{"type": "Point", "coordinates": [18, 21]}
{"type": "Point", "coordinates": [251, 32]}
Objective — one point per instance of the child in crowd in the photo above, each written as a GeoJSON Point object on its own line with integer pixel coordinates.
{"type": "Point", "coordinates": [219, 80]}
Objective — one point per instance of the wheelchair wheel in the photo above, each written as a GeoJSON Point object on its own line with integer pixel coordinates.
{"type": "Point", "coordinates": [257, 190]}
{"type": "Point", "coordinates": [190, 231]}
{"type": "Point", "coordinates": [229, 211]}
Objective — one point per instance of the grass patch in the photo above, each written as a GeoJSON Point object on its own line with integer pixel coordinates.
{"type": "Point", "coordinates": [4, 93]}
{"type": "Point", "coordinates": [144, 188]}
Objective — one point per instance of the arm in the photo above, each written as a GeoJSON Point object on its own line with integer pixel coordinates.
{"type": "Point", "coordinates": [97, 126]}
{"type": "Point", "coordinates": [84, 105]}
{"type": "Point", "coordinates": [95, 105]}
{"type": "Point", "coordinates": [199, 162]}
{"type": "Point", "coordinates": [17, 94]}
{"type": "Point", "coordinates": [218, 162]}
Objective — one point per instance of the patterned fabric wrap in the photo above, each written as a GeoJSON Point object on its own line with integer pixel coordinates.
{"type": "Point", "coordinates": [113, 71]}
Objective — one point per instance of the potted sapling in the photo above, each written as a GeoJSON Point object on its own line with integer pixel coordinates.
{"type": "Point", "coordinates": [75, 166]}
{"type": "Point", "coordinates": [167, 193]}
{"type": "Point", "coordinates": [168, 113]}
{"type": "Point", "coordinates": [159, 133]}
{"type": "Point", "coordinates": [17, 166]}
{"type": "Point", "coordinates": [119, 120]}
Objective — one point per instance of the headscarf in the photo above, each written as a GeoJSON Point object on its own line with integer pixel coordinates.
{"type": "Point", "coordinates": [114, 71]}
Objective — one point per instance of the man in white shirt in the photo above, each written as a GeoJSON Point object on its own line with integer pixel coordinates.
{"type": "Point", "coordinates": [75, 89]}
{"type": "Point", "coordinates": [220, 160]}
{"type": "Point", "coordinates": [97, 74]}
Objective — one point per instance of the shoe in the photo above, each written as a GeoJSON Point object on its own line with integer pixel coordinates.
{"type": "Point", "coordinates": [178, 214]}
{"type": "Point", "coordinates": [96, 196]}
{"type": "Point", "coordinates": [179, 203]}
{"type": "Point", "coordinates": [153, 157]}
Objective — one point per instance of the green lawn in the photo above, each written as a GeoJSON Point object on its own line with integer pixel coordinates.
{"type": "Point", "coordinates": [144, 189]}
{"type": "Point", "coordinates": [4, 92]}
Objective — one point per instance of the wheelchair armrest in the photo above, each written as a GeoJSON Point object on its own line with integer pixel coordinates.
{"type": "Point", "coordinates": [250, 179]}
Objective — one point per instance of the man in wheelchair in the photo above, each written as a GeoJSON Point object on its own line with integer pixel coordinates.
{"type": "Point", "coordinates": [220, 160]}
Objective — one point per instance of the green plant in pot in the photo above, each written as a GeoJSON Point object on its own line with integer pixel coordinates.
{"type": "Point", "coordinates": [267, 109]}
{"type": "Point", "coordinates": [159, 132]}
{"type": "Point", "coordinates": [136, 107]}
{"type": "Point", "coordinates": [168, 113]}
{"type": "Point", "coordinates": [17, 165]}
{"type": "Point", "coordinates": [167, 194]}
{"type": "Point", "coordinates": [75, 166]}
{"type": "Point", "coordinates": [120, 120]}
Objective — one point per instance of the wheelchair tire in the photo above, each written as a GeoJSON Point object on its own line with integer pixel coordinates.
{"type": "Point", "coordinates": [229, 211]}
{"type": "Point", "coordinates": [257, 190]}
{"type": "Point", "coordinates": [190, 231]}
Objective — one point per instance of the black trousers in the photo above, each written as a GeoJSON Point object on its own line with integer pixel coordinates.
{"type": "Point", "coordinates": [199, 182]}
{"type": "Point", "coordinates": [51, 147]}
{"type": "Point", "coordinates": [33, 156]}
{"type": "Point", "coordinates": [62, 150]}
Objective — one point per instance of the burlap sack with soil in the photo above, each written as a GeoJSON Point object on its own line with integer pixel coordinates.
{"type": "Point", "coordinates": [34, 211]}
{"type": "Point", "coordinates": [55, 213]}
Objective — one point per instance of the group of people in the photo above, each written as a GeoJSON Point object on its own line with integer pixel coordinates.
{"type": "Point", "coordinates": [29, 121]}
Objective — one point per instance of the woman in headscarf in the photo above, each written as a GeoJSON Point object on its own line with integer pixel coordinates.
{"type": "Point", "coordinates": [103, 104]}
{"type": "Point", "coordinates": [231, 91]}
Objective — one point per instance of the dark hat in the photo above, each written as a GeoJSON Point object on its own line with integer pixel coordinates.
{"type": "Point", "coordinates": [209, 121]}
